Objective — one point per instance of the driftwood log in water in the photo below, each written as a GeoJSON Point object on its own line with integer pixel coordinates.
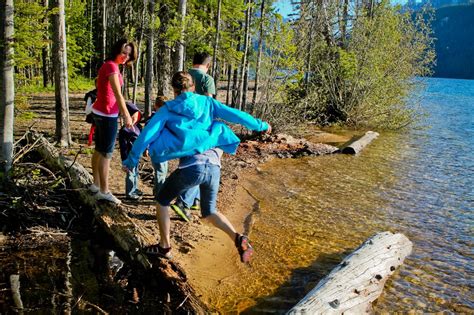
{"type": "Point", "coordinates": [128, 236]}
{"type": "Point", "coordinates": [359, 279]}
{"type": "Point", "coordinates": [357, 146]}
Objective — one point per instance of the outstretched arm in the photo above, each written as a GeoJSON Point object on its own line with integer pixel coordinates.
{"type": "Point", "coordinates": [239, 117]}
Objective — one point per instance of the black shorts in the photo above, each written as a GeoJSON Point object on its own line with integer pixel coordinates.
{"type": "Point", "coordinates": [105, 134]}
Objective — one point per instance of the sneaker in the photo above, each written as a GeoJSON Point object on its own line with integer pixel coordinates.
{"type": "Point", "coordinates": [134, 196]}
{"type": "Point", "coordinates": [244, 247]}
{"type": "Point", "coordinates": [196, 205]}
{"type": "Point", "coordinates": [108, 197]}
{"type": "Point", "coordinates": [93, 188]}
{"type": "Point", "coordinates": [182, 212]}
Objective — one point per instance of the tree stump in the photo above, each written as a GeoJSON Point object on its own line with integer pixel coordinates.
{"type": "Point", "coordinates": [359, 279]}
{"type": "Point", "coordinates": [357, 146]}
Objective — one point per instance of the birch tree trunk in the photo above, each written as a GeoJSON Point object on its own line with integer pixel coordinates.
{"type": "Point", "coordinates": [7, 92]}
{"type": "Point", "coordinates": [179, 46]}
{"type": "Point", "coordinates": [63, 136]}
{"type": "Point", "coordinates": [244, 66]}
{"type": "Point", "coordinates": [149, 60]}
{"type": "Point", "coordinates": [259, 55]}
{"type": "Point", "coordinates": [216, 42]}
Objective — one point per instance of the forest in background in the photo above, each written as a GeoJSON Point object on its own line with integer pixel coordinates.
{"type": "Point", "coordinates": [346, 62]}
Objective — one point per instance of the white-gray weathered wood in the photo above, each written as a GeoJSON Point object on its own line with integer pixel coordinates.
{"type": "Point", "coordinates": [357, 146]}
{"type": "Point", "coordinates": [359, 279]}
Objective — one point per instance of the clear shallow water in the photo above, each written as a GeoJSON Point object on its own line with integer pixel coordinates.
{"type": "Point", "coordinates": [314, 211]}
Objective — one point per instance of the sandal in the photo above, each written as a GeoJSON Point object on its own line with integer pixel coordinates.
{"type": "Point", "coordinates": [244, 247]}
{"type": "Point", "coordinates": [157, 250]}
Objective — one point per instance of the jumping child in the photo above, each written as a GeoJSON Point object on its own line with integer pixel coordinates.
{"type": "Point", "coordinates": [187, 128]}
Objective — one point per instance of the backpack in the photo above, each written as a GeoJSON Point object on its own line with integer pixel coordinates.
{"type": "Point", "coordinates": [88, 110]}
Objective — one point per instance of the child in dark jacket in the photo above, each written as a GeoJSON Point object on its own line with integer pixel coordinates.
{"type": "Point", "coordinates": [127, 137]}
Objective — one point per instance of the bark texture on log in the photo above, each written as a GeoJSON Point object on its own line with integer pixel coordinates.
{"type": "Point", "coordinates": [359, 279]}
{"type": "Point", "coordinates": [357, 146]}
{"type": "Point", "coordinates": [130, 237]}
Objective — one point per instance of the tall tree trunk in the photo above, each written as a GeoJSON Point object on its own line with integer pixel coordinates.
{"type": "Point", "coordinates": [139, 54]}
{"type": "Point", "coordinates": [164, 55]}
{"type": "Point", "coordinates": [7, 92]}
{"type": "Point", "coordinates": [216, 41]}
{"type": "Point", "coordinates": [244, 66]}
{"type": "Point", "coordinates": [229, 77]}
{"type": "Point", "coordinates": [45, 52]}
{"type": "Point", "coordinates": [63, 136]}
{"type": "Point", "coordinates": [343, 24]}
{"type": "Point", "coordinates": [104, 29]}
{"type": "Point", "coordinates": [260, 51]}
{"type": "Point", "coordinates": [149, 60]}
{"type": "Point", "coordinates": [91, 36]}
{"type": "Point", "coordinates": [179, 46]}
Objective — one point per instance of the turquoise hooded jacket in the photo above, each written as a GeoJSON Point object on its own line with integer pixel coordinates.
{"type": "Point", "coordinates": [188, 125]}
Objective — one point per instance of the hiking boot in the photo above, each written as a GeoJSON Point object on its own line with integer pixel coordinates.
{"type": "Point", "coordinates": [244, 247]}
{"type": "Point", "coordinates": [196, 205]}
{"type": "Point", "coordinates": [181, 211]}
{"type": "Point", "coordinates": [108, 197]}
{"type": "Point", "coordinates": [93, 188]}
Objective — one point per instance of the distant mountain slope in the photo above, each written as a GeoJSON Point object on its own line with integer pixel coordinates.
{"type": "Point", "coordinates": [454, 30]}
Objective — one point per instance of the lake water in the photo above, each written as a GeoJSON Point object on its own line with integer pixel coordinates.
{"type": "Point", "coordinates": [314, 211]}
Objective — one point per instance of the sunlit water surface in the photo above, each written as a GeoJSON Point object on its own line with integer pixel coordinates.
{"type": "Point", "coordinates": [314, 211]}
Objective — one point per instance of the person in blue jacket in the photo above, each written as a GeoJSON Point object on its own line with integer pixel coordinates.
{"type": "Point", "coordinates": [188, 128]}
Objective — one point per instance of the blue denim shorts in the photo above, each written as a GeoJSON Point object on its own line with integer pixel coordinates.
{"type": "Point", "coordinates": [105, 134]}
{"type": "Point", "coordinates": [206, 176]}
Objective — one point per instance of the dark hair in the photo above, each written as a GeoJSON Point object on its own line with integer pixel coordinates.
{"type": "Point", "coordinates": [182, 81]}
{"type": "Point", "coordinates": [116, 50]}
{"type": "Point", "coordinates": [201, 58]}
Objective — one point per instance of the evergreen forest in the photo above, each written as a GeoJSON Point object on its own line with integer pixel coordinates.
{"type": "Point", "coordinates": [344, 62]}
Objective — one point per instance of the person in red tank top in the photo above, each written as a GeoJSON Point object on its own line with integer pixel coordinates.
{"type": "Point", "coordinates": [106, 110]}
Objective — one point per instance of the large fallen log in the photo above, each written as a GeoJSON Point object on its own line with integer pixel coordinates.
{"type": "Point", "coordinates": [128, 236]}
{"type": "Point", "coordinates": [357, 146]}
{"type": "Point", "coordinates": [359, 279]}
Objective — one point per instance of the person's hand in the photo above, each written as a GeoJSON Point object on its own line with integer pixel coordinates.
{"type": "Point", "coordinates": [125, 169]}
{"type": "Point", "coordinates": [127, 121]}
{"type": "Point", "coordinates": [269, 130]}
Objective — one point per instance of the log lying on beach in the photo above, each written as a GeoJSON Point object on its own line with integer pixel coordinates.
{"type": "Point", "coordinates": [128, 236]}
{"type": "Point", "coordinates": [357, 146]}
{"type": "Point", "coordinates": [359, 279]}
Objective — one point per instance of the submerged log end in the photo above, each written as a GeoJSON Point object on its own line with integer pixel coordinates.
{"type": "Point", "coordinates": [359, 279]}
{"type": "Point", "coordinates": [355, 147]}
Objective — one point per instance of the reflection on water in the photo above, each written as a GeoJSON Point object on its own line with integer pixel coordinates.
{"type": "Point", "coordinates": [314, 211]}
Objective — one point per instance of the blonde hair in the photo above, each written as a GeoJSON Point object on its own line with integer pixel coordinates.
{"type": "Point", "coordinates": [160, 101]}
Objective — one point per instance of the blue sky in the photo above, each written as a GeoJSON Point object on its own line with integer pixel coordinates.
{"type": "Point", "coordinates": [284, 6]}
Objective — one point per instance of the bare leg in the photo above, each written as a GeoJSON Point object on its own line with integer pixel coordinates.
{"type": "Point", "coordinates": [221, 222]}
{"type": "Point", "coordinates": [164, 223]}
{"type": "Point", "coordinates": [95, 168]}
{"type": "Point", "coordinates": [103, 169]}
